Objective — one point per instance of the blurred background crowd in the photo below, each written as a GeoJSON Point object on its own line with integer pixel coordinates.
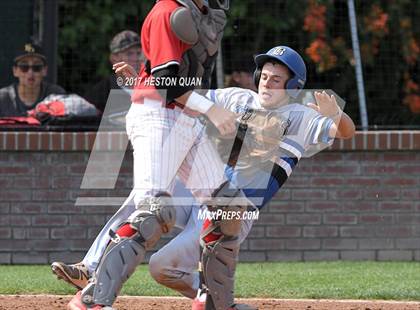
{"type": "Point", "coordinates": [80, 40]}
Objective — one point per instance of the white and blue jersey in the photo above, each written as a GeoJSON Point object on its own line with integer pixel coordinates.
{"type": "Point", "coordinates": [307, 133]}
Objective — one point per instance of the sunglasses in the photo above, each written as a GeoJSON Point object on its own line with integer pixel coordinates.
{"type": "Point", "coordinates": [25, 68]}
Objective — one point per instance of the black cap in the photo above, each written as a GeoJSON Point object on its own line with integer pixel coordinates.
{"type": "Point", "coordinates": [244, 65]}
{"type": "Point", "coordinates": [124, 40]}
{"type": "Point", "coordinates": [30, 49]}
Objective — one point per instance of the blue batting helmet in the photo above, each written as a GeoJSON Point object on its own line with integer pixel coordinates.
{"type": "Point", "coordinates": [292, 60]}
{"type": "Point", "coordinates": [217, 4]}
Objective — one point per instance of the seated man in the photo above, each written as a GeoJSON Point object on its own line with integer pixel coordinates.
{"type": "Point", "coordinates": [30, 68]}
{"type": "Point", "coordinates": [124, 46]}
{"type": "Point", "coordinates": [241, 76]}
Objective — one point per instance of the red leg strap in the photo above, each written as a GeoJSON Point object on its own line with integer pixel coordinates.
{"type": "Point", "coordinates": [126, 231]}
{"type": "Point", "coordinates": [211, 236]}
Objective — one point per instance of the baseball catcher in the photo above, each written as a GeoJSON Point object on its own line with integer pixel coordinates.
{"type": "Point", "coordinates": [180, 39]}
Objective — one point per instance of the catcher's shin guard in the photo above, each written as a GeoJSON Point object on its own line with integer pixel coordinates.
{"type": "Point", "coordinates": [218, 266]}
{"type": "Point", "coordinates": [219, 239]}
{"type": "Point", "coordinates": [127, 248]}
{"type": "Point", "coordinates": [117, 265]}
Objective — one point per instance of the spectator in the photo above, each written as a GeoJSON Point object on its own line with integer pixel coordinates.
{"type": "Point", "coordinates": [242, 76]}
{"type": "Point", "coordinates": [30, 68]}
{"type": "Point", "coordinates": [125, 46]}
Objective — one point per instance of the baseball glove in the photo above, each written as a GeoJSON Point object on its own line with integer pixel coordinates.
{"type": "Point", "coordinates": [264, 130]}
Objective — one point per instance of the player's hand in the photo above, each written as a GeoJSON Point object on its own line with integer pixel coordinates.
{"type": "Point", "coordinates": [124, 69]}
{"type": "Point", "coordinates": [326, 105]}
{"type": "Point", "coordinates": [224, 120]}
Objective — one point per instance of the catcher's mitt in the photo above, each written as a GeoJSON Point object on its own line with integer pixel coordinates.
{"type": "Point", "coordinates": [264, 130]}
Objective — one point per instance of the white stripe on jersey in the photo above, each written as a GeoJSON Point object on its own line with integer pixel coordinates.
{"type": "Point", "coordinates": [291, 149]}
{"type": "Point", "coordinates": [315, 138]}
{"type": "Point", "coordinates": [169, 63]}
{"type": "Point", "coordinates": [285, 165]}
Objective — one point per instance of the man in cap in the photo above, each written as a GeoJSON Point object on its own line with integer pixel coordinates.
{"type": "Point", "coordinates": [30, 68]}
{"type": "Point", "coordinates": [242, 75]}
{"type": "Point", "coordinates": [124, 46]}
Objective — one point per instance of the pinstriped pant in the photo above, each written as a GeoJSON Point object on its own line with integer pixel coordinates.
{"type": "Point", "coordinates": [167, 143]}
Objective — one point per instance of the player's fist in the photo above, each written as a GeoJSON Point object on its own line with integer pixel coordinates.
{"type": "Point", "coordinates": [124, 69]}
{"type": "Point", "coordinates": [223, 120]}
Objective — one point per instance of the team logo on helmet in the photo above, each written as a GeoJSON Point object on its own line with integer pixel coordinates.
{"type": "Point", "coordinates": [278, 51]}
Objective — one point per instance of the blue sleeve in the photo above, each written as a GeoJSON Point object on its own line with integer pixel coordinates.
{"type": "Point", "coordinates": [267, 193]}
{"type": "Point", "coordinates": [254, 189]}
{"type": "Point", "coordinates": [325, 135]}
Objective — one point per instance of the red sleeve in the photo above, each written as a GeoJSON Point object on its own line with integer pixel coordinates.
{"type": "Point", "coordinates": [164, 46]}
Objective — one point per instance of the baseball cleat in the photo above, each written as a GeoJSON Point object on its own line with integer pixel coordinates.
{"type": "Point", "coordinates": [199, 303]}
{"type": "Point", "coordinates": [77, 304]}
{"type": "Point", "coordinates": [76, 274]}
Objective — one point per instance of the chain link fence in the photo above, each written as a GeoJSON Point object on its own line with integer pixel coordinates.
{"type": "Point", "coordinates": [388, 32]}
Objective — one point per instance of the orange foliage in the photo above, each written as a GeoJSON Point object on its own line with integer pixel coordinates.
{"type": "Point", "coordinates": [376, 21]}
{"type": "Point", "coordinates": [413, 102]}
{"type": "Point", "coordinates": [315, 18]}
{"type": "Point", "coordinates": [413, 51]}
{"type": "Point", "coordinates": [405, 23]}
{"type": "Point", "coordinates": [376, 25]}
{"type": "Point", "coordinates": [411, 86]}
{"type": "Point", "coordinates": [321, 53]}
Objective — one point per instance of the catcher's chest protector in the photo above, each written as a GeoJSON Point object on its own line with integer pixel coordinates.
{"type": "Point", "coordinates": [207, 32]}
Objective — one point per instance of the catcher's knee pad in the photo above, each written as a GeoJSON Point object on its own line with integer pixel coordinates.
{"type": "Point", "coordinates": [226, 208]}
{"type": "Point", "coordinates": [154, 216]}
{"type": "Point", "coordinates": [127, 248]}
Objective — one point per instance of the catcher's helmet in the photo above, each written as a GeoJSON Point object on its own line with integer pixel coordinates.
{"type": "Point", "coordinates": [292, 60]}
{"type": "Point", "coordinates": [217, 4]}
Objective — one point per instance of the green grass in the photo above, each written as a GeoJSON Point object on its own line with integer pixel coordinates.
{"type": "Point", "coordinates": [334, 280]}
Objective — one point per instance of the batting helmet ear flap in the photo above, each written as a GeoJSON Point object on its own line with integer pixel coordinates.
{"type": "Point", "coordinates": [294, 86]}
{"type": "Point", "coordinates": [257, 76]}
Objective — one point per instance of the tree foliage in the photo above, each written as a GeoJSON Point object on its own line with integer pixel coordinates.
{"type": "Point", "coordinates": [85, 30]}
{"type": "Point", "coordinates": [389, 35]}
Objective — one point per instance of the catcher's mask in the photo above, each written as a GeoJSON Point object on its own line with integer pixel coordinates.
{"type": "Point", "coordinates": [292, 60]}
{"type": "Point", "coordinates": [217, 4]}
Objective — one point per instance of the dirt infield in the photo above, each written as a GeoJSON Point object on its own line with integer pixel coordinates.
{"type": "Point", "coordinates": [50, 302]}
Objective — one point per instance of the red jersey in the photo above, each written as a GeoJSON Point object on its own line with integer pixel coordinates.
{"type": "Point", "coordinates": [160, 46]}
